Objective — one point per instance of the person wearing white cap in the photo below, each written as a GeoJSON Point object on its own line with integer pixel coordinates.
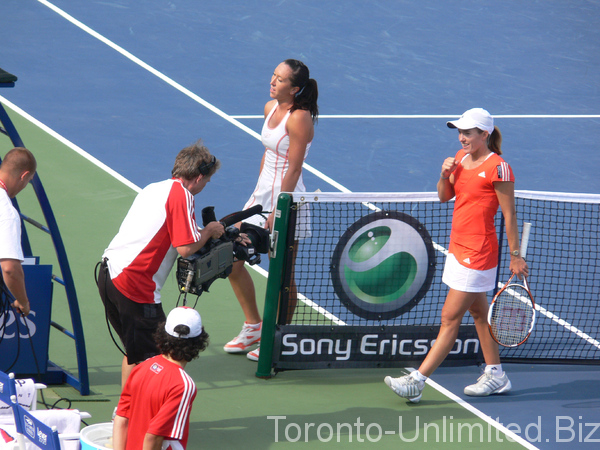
{"type": "Point", "coordinates": [154, 407]}
{"type": "Point", "coordinates": [480, 180]}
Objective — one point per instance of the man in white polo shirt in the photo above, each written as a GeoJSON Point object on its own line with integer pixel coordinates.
{"type": "Point", "coordinates": [16, 171]}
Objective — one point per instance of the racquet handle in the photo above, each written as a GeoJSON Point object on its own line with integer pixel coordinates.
{"type": "Point", "coordinates": [525, 238]}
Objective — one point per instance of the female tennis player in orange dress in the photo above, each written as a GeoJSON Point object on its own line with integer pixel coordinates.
{"type": "Point", "coordinates": [481, 181]}
{"type": "Point", "coordinates": [287, 134]}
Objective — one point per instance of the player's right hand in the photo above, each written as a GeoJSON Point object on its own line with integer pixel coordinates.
{"type": "Point", "coordinates": [450, 164]}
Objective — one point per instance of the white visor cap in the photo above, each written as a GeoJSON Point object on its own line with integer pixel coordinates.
{"type": "Point", "coordinates": [474, 118]}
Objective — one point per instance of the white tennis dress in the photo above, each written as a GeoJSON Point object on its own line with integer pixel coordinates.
{"type": "Point", "coordinates": [277, 142]}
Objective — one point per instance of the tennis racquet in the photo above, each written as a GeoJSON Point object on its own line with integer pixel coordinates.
{"type": "Point", "coordinates": [511, 316]}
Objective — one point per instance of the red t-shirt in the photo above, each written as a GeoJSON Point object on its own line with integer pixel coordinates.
{"type": "Point", "coordinates": [473, 239]}
{"type": "Point", "coordinates": [157, 399]}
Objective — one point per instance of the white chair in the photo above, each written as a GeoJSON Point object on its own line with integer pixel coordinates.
{"type": "Point", "coordinates": [7, 389]}
{"type": "Point", "coordinates": [24, 421]}
{"type": "Point", "coordinates": [30, 428]}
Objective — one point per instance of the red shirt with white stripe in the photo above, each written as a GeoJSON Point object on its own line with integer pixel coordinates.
{"type": "Point", "coordinates": [143, 252]}
{"type": "Point", "coordinates": [473, 239]}
{"type": "Point", "coordinates": [157, 399]}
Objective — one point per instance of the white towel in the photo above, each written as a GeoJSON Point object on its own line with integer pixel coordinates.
{"type": "Point", "coordinates": [26, 396]}
{"type": "Point", "coordinates": [65, 420]}
{"type": "Point", "coordinates": [26, 393]}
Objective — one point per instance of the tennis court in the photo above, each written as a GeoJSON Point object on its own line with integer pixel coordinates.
{"type": "Point", "coordinates": [130, 84]}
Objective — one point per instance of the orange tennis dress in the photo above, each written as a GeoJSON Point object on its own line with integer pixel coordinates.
{"type": "Point", "coordinates": [473, 239]}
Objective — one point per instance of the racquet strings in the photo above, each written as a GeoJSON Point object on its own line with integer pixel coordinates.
{"type": "Point", "coordinates": [512, 315]}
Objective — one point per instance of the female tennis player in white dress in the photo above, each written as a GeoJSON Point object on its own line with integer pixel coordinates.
{"type": "Point", "coordinates": [287, 134]}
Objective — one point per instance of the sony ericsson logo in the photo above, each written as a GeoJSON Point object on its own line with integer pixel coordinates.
{"type": "Point", "coordinates": [383, 265]}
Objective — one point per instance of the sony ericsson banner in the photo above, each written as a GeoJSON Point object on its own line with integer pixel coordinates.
{"type": "Point", "coordinates": [363, 346]}
{"type": "Point", "coordinates": [383, 265]}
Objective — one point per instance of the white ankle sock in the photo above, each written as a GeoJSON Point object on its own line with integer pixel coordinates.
{"type": "Point", "coordinates": [419, 376]}
{"type": "Point", "coordinates": [494, 369]}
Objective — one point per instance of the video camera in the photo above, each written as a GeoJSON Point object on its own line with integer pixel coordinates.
{"type": "Point", "coordinates": [215, 260]}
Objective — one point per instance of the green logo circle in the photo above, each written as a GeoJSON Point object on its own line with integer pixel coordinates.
{"type": "Point", "coordinates": [383, 265]}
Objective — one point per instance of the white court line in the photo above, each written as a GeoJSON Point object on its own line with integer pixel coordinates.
{"type": "Point", "coordinates": [433, 116]}
{"type": "Point", "coordinates": [179, 87]}
{"type": "Point", "coordinates": [308, 302]}
{"type": "Point", "coordinates": [187, 92]}
{"type": "Point", "coordinates": [510, 434]}
{"type": "Point", "coordinates": [69, 144]}
{"type": "Point", "coordinates": [550, 315]}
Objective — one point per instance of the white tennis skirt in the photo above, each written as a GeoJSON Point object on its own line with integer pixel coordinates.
{"type": "Point", "coordinates": [461, 278]}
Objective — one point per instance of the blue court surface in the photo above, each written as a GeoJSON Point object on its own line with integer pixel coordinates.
{"type": "Point", "coordinates": [133, 82]}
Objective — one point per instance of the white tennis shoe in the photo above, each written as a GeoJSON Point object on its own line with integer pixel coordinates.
{"type": "Point", "coordinates": [254, 354]}
{"type": "Point", "coordinates": [488, 384]}
{"type": "Point", "coordinates": [249, 336]}
{"type": "Point", "coordinates": [407, 387]}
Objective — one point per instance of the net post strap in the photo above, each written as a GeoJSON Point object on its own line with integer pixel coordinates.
{"type": "Point", "coordinates": [274, 282]}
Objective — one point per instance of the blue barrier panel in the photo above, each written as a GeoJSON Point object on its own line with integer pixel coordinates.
{"type": "Point", "coordinates": [18, 332]}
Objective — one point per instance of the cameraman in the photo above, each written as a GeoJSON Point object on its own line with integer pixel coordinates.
{"type": "Point", "coordinates": [160, 225]}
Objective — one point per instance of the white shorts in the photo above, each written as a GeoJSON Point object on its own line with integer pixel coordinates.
{"type": "Point", "coordinates": [461, 278]}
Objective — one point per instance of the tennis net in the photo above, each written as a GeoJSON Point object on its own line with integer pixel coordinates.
{"type": "Point", "coordinates": [364, 287]}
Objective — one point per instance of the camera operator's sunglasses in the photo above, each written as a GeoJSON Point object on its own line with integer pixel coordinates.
{"type": "Point", "coordinates": [205, 167]}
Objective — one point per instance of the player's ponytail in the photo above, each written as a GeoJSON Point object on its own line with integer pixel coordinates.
{"type": "Point", "coordinates": [308, 92]}
{"type": "Point", "coordinates": [495, 141]}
